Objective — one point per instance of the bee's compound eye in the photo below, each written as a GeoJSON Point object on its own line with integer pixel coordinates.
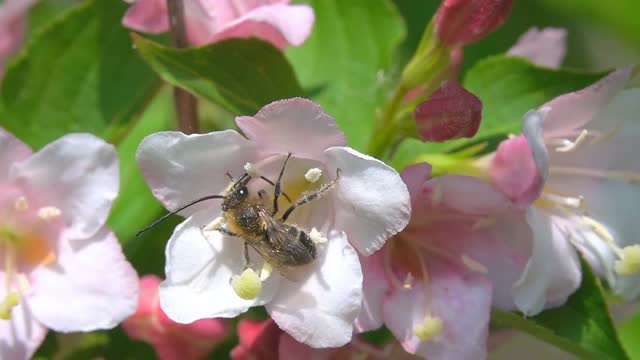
{"type": "Point", "coordinates": [243, 192]}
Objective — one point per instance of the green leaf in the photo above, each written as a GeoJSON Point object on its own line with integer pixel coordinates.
{"type": "Point", "coordinates": [348, 56]}
{"type": "Point", "coordinates": [582, 326]}
{"type": "Point", "coordinates": [508, 88]}
{"type": "Point", "coordinates": [241, 75]}
{"type": "Point", "coordinates": [629, 334]}
{"type": "Point", "coordinates": [79, 73]}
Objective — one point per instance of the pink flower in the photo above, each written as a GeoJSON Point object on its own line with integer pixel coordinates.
{"type": "Point", "coordinates": [170, 339]}
{"type": "Point", "coordinates": [451, 112]}
{"type": "Point", "coordinates": [365, 205]}
{"type": "Point", "coordinates": [209, 21]}
{"type": "Point", "coordinates": [434, 283]}
{"type": "Point", "coordinates": [461, 22]}
{"type": "Point", "coordinates": [580, 177]}
{"type": "Point", "coordinates": [258, 340]}
{"type": "Point", "coordinates": [63, 268]}
{"type": "Point", "coordinates": [12, 22]}
{"type": "Point", "coordinates": [543, 47]}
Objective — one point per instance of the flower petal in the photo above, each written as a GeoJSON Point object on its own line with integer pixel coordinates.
{"type": "Point", "coordinates": [371, 201]}
{"type": "Point", "coordinates": [12, 150]}
{"type": "Point", "coordinates": [573, 111]}
{"type": "Point", "coordinates": [543, 47]}
{"type": "Point", "coordinates": [462, 300]}
{"type": "Point", "coordinates": [21, 336]}
{"type": "Point", "coordinates": [79, 175]}
{"type": "Point", "coordinates": [149, 16]}
{"type": "Point", "coordinates": [180, 168]}
{"type": "Point", "coordinates": [374, 290]}
{"type": "Point", "coordinates": [199, 270]}
{"type": "Point", "coordinates": [91, 286]}
{"type": "Point", "coordinates": [298, 126]}
{"type": "Point", "coordinates": [279, 24]}
{"type": "Point", "coordinates": [320, 310]}
{"type": "Point", "coordinates": [290, 349]}
{"type": "Point", "coordinates": [553, 272]}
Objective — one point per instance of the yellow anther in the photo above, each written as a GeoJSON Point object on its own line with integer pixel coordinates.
{"type": "Point", "coordinates": [313, 175]}
{"type": "Point", "coordinates": [12, 299]}
{"type": "Point", "coordinates": [21, 204]}
{"type": "Point", "coordinates": [266, 271]}
{"type": "Point", "coordinates": [49, 213]}
{"type": "Point", "coordinates": [473, 265]}
{"type": "Point", "coordinates": [316, 236]}
{"type": "Point", "coordinates": [430, 327]}
{"type": "Point", "coordinates": [630, 261]}
{"type": "Point", "coordinates": [251, 170]}
{"type": "Point", "coordinates": [247, 285]}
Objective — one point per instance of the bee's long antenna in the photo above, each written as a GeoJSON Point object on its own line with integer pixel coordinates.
{"type": "Point", "coordinates": [164, 217]}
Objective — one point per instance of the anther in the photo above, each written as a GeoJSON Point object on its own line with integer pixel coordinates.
{"type": "Point", "coordinates": [316, 236]}
{"type": "Point", "coordinates": [266, 271]}
{"type": "Point", "coordinates": [430, 327]}
{"type": "Point", "coordinates": [630, 260]}
{"type": "Point", "coordinates": [247, 285]}
{"type": "Point", "coordinates": [473, 265]}
{"type": "Point", "coordinates": [408, 282]}
{"type": "Point", "coordinates": [9, 302]}
{"type": "Point", "coordinates": [251, 170]}
{"type": "Point", "coordinates": [572, 145]}
{"type": "Point", "coordinates": [49, 213]}
{"type": "Point", "coordinates": [21, 204]}
{"type": "Point", "coordinates": [313, 175]}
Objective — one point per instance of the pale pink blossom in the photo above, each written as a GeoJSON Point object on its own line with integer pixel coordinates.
{"type": "Point", "coordinates": [63, 268]}
{"type": "Point", "coordinates": [461, 22]}
{"type": "Point", "coordinates": [543, 47]}
{"type": "Point", "coordinates": [12, 26]}
{"type": "Point", "coordinates": [434, 283]}
{"type": "Point", "coordinates": [583, 189]}
{"type": "Point", "coordinates": [171, 341]}
{"type": "Point", "coordinates": [368, 204]}
{"type": "Point", "coordinates": [209, 21]}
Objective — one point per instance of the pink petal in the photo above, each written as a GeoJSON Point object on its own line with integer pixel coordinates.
{"type": "Point", "coordinates": [462, 300]}
{"type": "Point", "coordinates": [258, 340]}
{"type": "Point", "coordinates": [546, 47]}
{"type": "Point", "coordinates": [12, 150]}
{"type": "Point", "coordinates": [297, 126]}
{"type": "Point", "coordinates": [290, 349]}
{"type": "Point", "coordinates": [279, 24]}
{"type": "Point", "coordinates": [12, 26]}
{"type": "Point", "coordinates": [513, 171]}
{"type": "Point", "coordinates": [375, 288]}
{"type": "Point", "coordinates": [460, 22]}
{"type": "Point", "coordinates": [450, 112]}
{"type": "Point", "coordinates": [148, 16]}
{"type": "Point", "coordinates": [573, 111]}
{"type": "Point", "coordinates": [91, 286]}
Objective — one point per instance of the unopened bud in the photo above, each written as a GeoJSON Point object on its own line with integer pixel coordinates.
{"type": "Point", "coordinates": [460, 22]}
{"type": "Point", "coordinates": [451, 112]}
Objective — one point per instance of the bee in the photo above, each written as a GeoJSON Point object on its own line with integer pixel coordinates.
{"type": "Point", "coordinates": [283, 246]}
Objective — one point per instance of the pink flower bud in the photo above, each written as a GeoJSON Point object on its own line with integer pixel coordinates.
{"type": "Point", "coordinates": [460, 22]}
{"type": "Point", "coordinates": [451, 112]}
{"type": "Point", "coordinates": [258, 340]}
{"type": "Point", "coordinates": [170, 340]}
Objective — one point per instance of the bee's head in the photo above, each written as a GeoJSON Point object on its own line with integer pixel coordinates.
{"type": "Point", "coordinates": [236, 195]}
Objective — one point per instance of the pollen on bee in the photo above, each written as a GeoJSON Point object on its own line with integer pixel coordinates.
{"type": "Point", "coordinates": [430, 327]}
{"type": "Point", "coordinates": [316, 236]}
{"type": "Point", "coordinates": [247, 285]}
{"type": "Point", "coordinates": [21, 204]}
{"type": "Point", "coordinates": [251, 170]}
{"type": "Point", "coordinates": [49, 213]}
{"type": "Point", "coordinates": [630, 261]}
{"type": "Point", "coordinates": [313, 175]}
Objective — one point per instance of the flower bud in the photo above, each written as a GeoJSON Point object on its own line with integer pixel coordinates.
{"type": "Point", "coordinates": [449, 113]}
{"type": "Point", "coordinates": [460, 22]}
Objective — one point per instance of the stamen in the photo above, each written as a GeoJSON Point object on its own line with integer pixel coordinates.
{"type": "Point", "coordinates": [266, 271]}
{"type": "Point", "coordinates": [388, 267]}
{"type": "Point", "coordinates": [247, 285]}
{"type": "Point", "coordinates": [313, 175]}
{"type": "Point", "coordinates": [21, 204]}
{"type": "Point", "coordinates": [630, 261]}
{"type": "Point", "coordinates": [629, 176]}
{"type": "Point", "coordinates": [215, 224]}
{"type": "Point", "coordinates": [571, 146]}
{"type": "Point", "coordinates": [473, 265]}
{"type": "Point", "coordinates": [10, 301]}
{"type": "Point", "coordinates": [251, 170]}
{"type": "Point", "coordinates": [484, 223]}
{"type": "Point", "coordinates": [572, 202]}
{"type": "Point", "coordinates": [49, 213]}
{"type": "Point", "coordinates": [408, 282]}
{"type": "Point", "coordinates": [436, 195]}
{"type": "Point", "coordinates": [430, 327]}
{"type": "Point", "coordinates": [316, 236]}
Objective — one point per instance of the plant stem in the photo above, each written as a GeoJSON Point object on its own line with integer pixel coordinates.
{"type": "Point", "coordinates": [186, 104]}
{"type": "Point", "coordinates": [383, 135]}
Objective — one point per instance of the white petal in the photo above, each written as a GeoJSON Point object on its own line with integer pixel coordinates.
{"type": "Point", "coordinates": [91, 286]}
{"type": "Point", "coordinates": [532, 130]}
{"type": "Point", "coordinates": [199, 270]}
{"type": "Point", "coordinates": [320, 310]}
{"type": "Point", "coordinates": [21, 336]}
{"type": "Point", "coordinates": [180, 168]}
{"type": "Point", "coordinates": [553, 272]}
{"type": "Point", "coordinates": [79, 175]}
{"type": "Point", "coordinates": [12, 150]}
{"type": "Point", "coordinates": [371, 201]}
{"type": "Point", "coordinates": [544, 47]}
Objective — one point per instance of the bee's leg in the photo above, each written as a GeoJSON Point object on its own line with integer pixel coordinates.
{"type": "Point", "coordinates": [226, 232]}
{"type": "Point", "coordinates": [246, 255]}
{"type": "Point", "coordinates": [273, 184]}
{"type": "Point", "coordinates": [312, 195]}
{"type": "Point", "coordinates": [276, 192]}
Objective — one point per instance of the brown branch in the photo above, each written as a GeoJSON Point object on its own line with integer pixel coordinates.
{"type": "Point", "coordinates": [185, 103]}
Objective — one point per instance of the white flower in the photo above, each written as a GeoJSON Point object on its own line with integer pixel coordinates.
{"type": "Point", "coordinates": [368, 204]}
{"type": "Point", "coordinates": [62, 268]}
